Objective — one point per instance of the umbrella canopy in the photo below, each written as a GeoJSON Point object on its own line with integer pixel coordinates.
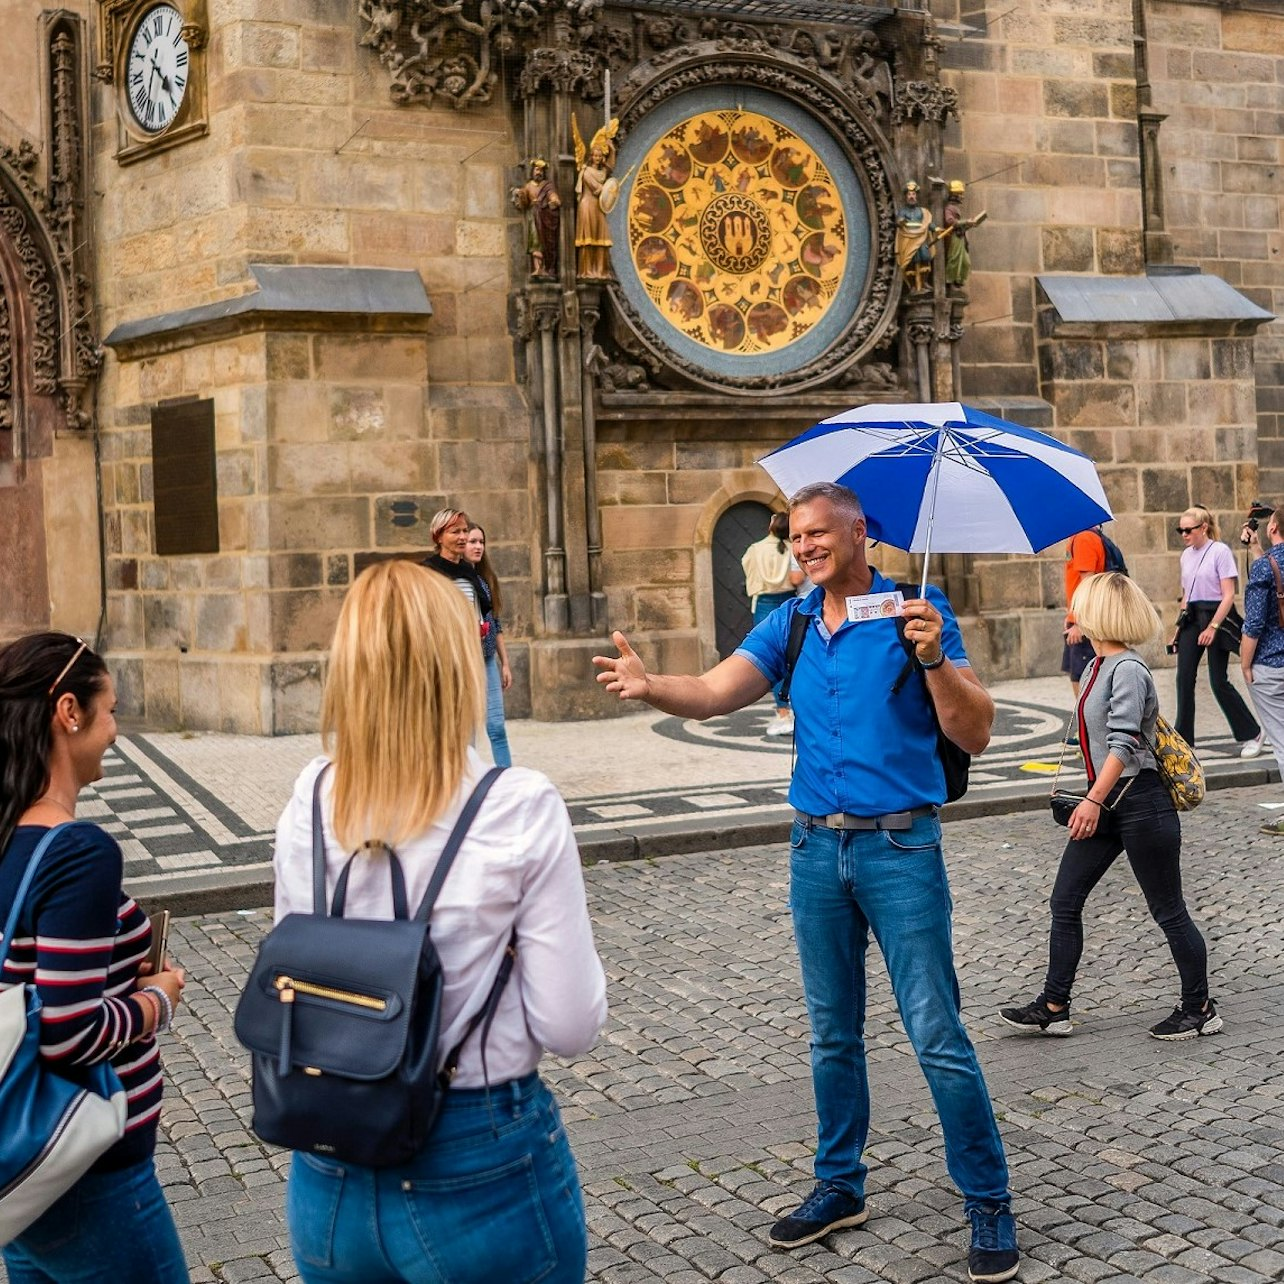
{"type": "Point", "coordinates": [945, 478]}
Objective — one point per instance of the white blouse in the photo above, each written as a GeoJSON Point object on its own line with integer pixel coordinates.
{"type": "Point", "coordinates": [518, 866]}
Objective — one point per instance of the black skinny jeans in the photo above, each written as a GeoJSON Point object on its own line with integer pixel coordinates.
{"type": "Point", "coordinates": [1242, 723]}
{"type": "Point", "coordinates": [1145, 825]}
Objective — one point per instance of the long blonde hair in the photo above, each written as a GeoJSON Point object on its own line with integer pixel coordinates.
{"type": "Point", "coordinates": [403, 696]}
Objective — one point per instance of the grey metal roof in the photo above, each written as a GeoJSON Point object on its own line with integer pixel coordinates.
{"type": "Point", "coordinates": [365, 292]}
{"type": "Point", "coordinates": [1169, 299]}
{"type": "Point", "coordinates": [837, 11]}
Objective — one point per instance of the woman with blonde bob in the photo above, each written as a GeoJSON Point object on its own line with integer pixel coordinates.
{"type": "Point", "coordinates": [495, 1194]}
{"type": "Point", "coordinates": [1126, 809]}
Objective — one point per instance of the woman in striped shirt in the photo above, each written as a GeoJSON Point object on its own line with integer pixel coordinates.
{"type": "Point", "coordinates": [82, 941]}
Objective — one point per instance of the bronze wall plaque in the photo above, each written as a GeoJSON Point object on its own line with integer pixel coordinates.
{"type": "Point", "coordinates": [184, 478]}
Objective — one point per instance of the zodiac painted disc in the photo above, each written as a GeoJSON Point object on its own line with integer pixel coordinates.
{"type": "Point", "coordinates": [737, 231]}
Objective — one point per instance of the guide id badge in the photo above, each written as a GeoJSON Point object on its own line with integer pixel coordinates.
{"type": "Point", "coordinates": [875, 606]}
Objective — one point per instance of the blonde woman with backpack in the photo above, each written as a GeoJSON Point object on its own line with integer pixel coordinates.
{"type": "Point", "coordinates": [494, 1194]}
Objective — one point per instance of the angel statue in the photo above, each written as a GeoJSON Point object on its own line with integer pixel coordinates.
{"type": "Point", "coordinates": [596, 193]}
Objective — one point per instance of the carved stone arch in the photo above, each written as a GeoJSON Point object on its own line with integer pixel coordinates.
{"type": "Point", "coordinates": [32, 302]}
{"type": "Point", "coordinates": [858, 134]}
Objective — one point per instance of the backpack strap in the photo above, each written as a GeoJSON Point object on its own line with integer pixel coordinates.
{"type": "Point", "coordinates": [1279, 587]}
{"type": "Point", "coordinates": [455, 841]}
{"type": "Point", "coordinates": [11, 924]}
{"type": "Point", "coordinates": [793, 649]}
{"type": "Point", "coordinates": [482, 1018]}
{"type": "Point", "coordinates": [400, 904]}
{"type": "Point", "coordinates": [911, 651]}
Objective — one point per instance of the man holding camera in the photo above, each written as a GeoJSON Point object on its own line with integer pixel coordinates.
{"type": "Point", "coordinates": [1261, 648]}
{"type": "Point", "coordinates": [865, 851]}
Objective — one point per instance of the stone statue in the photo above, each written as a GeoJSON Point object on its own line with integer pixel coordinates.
{"type": "Point", "coordinates": [915, 239]}
{"type": "Point", "coordinates": [539, 200]}
{"type": "Point", "coordinates": [595, 192]}
{"type": "Point", "coordinates": [958, 258]}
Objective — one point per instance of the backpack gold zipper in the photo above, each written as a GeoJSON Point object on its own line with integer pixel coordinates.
{"type": "Point", "coordinates": [287, 987]}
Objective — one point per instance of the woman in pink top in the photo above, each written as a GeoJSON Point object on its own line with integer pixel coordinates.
{"type": "Point", "coordinates": [1208, 575]}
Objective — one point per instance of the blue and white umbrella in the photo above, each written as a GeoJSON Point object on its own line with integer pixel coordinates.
{"type": "Point", "coordinates": [945, 478]}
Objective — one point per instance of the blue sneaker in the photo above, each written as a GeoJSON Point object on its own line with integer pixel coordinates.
{"type": "Point", "coordinates": [993, 1256]}
{"type": "Point", "coordinates": [826, 1209]}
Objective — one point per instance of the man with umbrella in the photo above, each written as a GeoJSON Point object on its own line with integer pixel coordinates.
{"type": "Point", "coordinates": [865, 850]}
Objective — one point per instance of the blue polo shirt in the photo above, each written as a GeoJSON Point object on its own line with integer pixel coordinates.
{"type": "Point", "coordinates": [861, 749]}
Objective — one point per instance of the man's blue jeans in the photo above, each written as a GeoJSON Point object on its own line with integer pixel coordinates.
{"type": "Point", "coordinates": [108, 1226]}
{"type": "Point", "coordinates": [494, 1196]}
{"type": "Point", "coordinates": [843, 883]}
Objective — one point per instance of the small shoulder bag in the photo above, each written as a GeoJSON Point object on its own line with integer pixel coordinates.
{"type": "Point", "coordinates": [342, 1017]}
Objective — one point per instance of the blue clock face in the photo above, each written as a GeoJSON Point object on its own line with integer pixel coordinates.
{"type": "Point", "coordinates": [156, 71]}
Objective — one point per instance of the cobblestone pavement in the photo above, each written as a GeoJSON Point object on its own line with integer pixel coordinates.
{"type": "Point", "coordinates": [191, 809]}
{"type": "Point", "coordinates": [692, 1120]}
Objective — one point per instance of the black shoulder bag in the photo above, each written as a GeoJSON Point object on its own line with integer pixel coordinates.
{"type": "Point", "coordinates": [343, 1016]}
{"type": "Point", "coordinates": [955, 762]}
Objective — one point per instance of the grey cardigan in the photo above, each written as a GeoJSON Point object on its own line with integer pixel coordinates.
{"type": "Point", "coordinates": [1119, 705]}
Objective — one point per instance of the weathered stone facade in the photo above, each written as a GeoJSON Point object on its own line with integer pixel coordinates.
{"type": "Point", "coordinates": [1104, 137]}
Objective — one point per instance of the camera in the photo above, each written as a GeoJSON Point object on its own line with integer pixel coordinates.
{"type": "Point", "coordinates": [1256, 511]}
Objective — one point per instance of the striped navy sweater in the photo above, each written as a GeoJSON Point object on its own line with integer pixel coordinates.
{"type": "Point", "coordinates": [80, 938]}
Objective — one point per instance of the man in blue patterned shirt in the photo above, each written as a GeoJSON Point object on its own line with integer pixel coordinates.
{"type": "Point", "coordinates": [1261, 653]}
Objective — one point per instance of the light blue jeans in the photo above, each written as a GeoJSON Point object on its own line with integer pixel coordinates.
{"type": "Point", "coordinates": [476, 1207]}
{"type": "Point", "coordinates": [108, 1226]}
{"type": "Point", "coordinates": [495, 731]}
{"type": "Point", "coordinates": [842, 885]}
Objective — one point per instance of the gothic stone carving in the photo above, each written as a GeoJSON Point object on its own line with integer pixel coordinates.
{"type": "Point", "coordinates": [44, 227]}
{"type": "Point", "coordinates": [925, 100]}
{"type": "Point", "coordinates": [876, 314]}
{"type": "Point", "coordinates": [449, 49]}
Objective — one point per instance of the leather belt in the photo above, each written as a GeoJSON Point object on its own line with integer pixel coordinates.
{"type": "Point", "coordinates": [842, 820]}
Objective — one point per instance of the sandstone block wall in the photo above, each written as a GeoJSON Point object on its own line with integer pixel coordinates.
{"type": "Point", "coordinates": [333, 448]}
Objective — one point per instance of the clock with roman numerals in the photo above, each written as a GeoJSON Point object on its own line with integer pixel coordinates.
{"type": "Point", "coordinates": [157, 69]}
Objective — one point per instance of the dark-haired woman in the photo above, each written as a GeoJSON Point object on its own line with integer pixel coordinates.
{"type": "Point", "coordinates": [772, 577]}
{"type": "Point", "coordinates": [83, 940]}
{"type": "Point", "coordinates": [499, 677]}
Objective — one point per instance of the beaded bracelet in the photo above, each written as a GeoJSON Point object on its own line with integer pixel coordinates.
{"type": "Point", "coordinates": [166, 1016]}
{"type": "Point", "coordinates": [935, 664]}
{"type": "Point", "coordinates": [151, 1005]}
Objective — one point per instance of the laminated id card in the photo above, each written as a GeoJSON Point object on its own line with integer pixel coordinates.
{"type": "Point", "coordinates": [875, 606]}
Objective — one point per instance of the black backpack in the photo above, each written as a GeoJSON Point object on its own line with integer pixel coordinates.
{"type": "Point", "coordinates": [955, 762]}
{"type": "Point", "coordinates": [1114, 557]}
{"type": "Point", "coordinates": [343, 1016]}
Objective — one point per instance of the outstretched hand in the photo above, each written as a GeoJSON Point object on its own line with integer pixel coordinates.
{"type": "Point", "coordinates": [624, 674]}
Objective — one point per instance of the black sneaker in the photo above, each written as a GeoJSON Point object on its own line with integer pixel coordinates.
{"type": "Point", "coordinates": [826, 1209]}
{"type": "Point", "coordinates": [1038, 1018]}
{"type": "Point", "coordinates": [993, 1256]}
{"type": "Point", "coordinates": [1187, 1025]}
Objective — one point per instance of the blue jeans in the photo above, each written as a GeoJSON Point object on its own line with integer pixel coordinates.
{"type": "Point", "coordinates": [477, 1206]}
{"type": "Point", "coordinates": [495, 731]}
{"type": "Point", "coordinates": [842, 884]}
{"type": "Point", "coordinates": [108, 1226]}
{"type": "Point", "coordinates": [763, 607]}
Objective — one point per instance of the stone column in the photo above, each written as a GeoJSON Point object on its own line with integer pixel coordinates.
{"type": "Point", "coordinates": [590, 310]}
{"type": "Point", "coordinates": [546, 316]}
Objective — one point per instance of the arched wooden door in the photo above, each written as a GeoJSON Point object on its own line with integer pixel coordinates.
{"type": "Point", "coordinates": [741, 525]}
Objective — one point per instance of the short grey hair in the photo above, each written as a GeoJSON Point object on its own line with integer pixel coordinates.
{"type": "Point", "coordinates": [842, 498]}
